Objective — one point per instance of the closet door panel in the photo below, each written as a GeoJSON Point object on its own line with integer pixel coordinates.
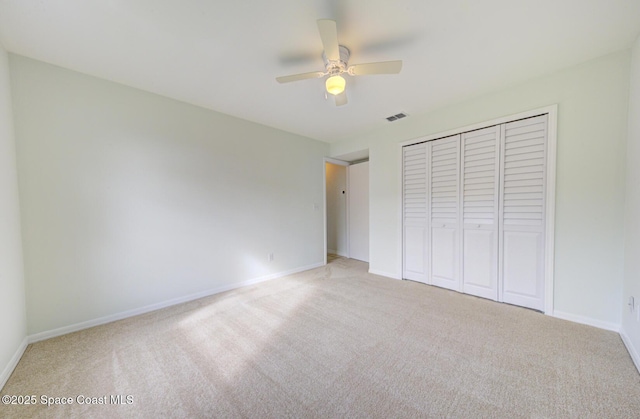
{"type": "Point", "coordinates": [444, 256]}
{"type": "Point", "coordinates": [415, 253]}
{"type": "Point", "coordinates": [480, 153]}
{"type": "Point", "coordinates": [523, 268]}
{"type": "Point", "coordinates": [444, 212]}
{"type": "Point", "coordinates": [523, 188]}
{"type": "Point", "coordinates": [479, 263]}
{"type": "Point", "coordinates": [414, 184]}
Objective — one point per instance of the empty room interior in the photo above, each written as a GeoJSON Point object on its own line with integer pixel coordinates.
{"type": "Point", "coordinates": [320, 209]}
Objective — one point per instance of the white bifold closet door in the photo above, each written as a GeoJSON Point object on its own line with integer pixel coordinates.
{"type": "Point", "coordinates": [480, 208]}
{"type": "Point", "coordinates": [474, 212]}
{"type": "Point", "coordinates": [414, 206]}
{"type": "Point", "coordinates": [443, 193]}
{"type": "Point", "coordinates": [522, 218]}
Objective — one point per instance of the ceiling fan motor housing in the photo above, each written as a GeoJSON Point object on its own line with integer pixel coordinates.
{"type": "Point", "coordinates": [337, 67]}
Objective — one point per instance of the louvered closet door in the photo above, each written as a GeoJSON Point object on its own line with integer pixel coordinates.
{"type": "Point", "coordinates": [480, 197]}
{"type": "Point", "coordinates": [523, 180]}
{"type": "Point", "coordinates": [444, 212]}
{"type": "Point", "coordinates": [414, 185]}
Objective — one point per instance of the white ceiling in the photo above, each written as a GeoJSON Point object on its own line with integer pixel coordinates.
{"type": "Point", "coordinates": [225, 55]}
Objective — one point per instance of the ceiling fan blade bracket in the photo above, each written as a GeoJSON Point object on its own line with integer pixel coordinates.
{"type": "Point", "coordinates": [339, 66]}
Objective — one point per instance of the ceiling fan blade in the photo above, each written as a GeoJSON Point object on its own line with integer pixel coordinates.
{"type": "Point", "coordinates": [341, 99]}
{"type": "Point", "coordinates": [303, 76]}
{"type": "Point", "coordinates": [384, 67]}
{"type": "Point", "coordinates": [329, 35]}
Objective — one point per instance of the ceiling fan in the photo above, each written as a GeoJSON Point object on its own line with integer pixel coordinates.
{"type": "Point", "coordinates": [336, 63]}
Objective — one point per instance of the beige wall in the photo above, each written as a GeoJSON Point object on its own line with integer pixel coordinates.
{"type": "Point", "coordinates": [592, 125]}
{"type": "Point", "coordinates": [630, 319]}
{"type": "Point", "coordinates": [12, 298]}
{"type": "Point", "coordinates": [130, 199]}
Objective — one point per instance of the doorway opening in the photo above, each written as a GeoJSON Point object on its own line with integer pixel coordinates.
{"type": "Point", "coordinates": [346, 186]}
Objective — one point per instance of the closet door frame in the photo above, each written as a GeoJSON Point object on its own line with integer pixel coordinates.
{"type": "Point", "coordinates": [550, 195]}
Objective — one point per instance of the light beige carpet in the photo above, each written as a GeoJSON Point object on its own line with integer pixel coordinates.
{"type": "Point", "coordinates": [334, 342]}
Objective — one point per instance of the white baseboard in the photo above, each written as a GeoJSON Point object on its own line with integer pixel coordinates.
{"type": "Point", "coordinates": [383, 273]}
{"type": "Point", "coordinates": [586, 320]}
{"type": "Point", "coordinates": [146, 309]}
{"type": "Point", "coordinates": [633, 351]}
{"type": "Point", "coordinates": [13, 363]}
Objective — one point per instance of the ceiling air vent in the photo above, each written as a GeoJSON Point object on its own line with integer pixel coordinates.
{"type": "Point", "coordinates": [396, 117]}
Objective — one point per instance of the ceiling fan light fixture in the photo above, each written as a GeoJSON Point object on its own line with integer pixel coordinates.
{"type": "Point", "coordinates": [336, 63]}
{"type": "Point", "coordinates": [335, 85]}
